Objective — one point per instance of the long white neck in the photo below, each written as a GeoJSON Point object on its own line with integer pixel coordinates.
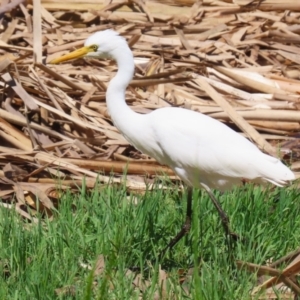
{"type": "Point", "coordinates": [122, 116]}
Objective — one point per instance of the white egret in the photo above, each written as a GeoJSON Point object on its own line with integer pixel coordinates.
{"type": "Point", "coordinates": [202, 151]}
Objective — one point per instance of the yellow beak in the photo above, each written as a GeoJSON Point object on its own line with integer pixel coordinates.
{"type": "Point", "coordinates": [72, 55]}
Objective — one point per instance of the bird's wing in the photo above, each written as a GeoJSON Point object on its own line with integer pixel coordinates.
{"type": "Point", "coordinates": [193, 141]}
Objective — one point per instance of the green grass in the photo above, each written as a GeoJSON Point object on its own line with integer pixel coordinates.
{"type": "Point", "coordinates": [130, 231]}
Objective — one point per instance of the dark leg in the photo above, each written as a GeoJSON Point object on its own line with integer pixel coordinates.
{"type": "Point", "coordinates": [222, 214]}
{"type": "Point", "coordinates": [186, 226]}
{"type": "Point", "coordinates": [230, 237]}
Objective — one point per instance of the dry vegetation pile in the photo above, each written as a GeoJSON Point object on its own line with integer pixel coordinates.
{"type": "Point", "coordinates": [236, 61]}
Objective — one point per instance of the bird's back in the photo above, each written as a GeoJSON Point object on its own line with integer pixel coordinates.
{"type": "Point", "coordinates": [202, 150]}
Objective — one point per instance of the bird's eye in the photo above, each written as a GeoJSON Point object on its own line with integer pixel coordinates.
{"type": "Point", "coordinates": [94, 48]}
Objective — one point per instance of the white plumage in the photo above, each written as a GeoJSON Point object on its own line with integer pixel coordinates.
{"type": "Point", "coordinates": [202, 150]}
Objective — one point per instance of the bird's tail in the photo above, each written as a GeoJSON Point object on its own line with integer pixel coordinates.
{"type": "Point", "coordinates": [274, 171]}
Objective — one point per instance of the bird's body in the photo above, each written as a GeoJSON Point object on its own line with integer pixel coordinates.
{"type": "Point", "coordinates": [202, 151]}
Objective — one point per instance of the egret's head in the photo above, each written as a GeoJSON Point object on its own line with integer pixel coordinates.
{"type": "Point", "coordinates": [101, 44]}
